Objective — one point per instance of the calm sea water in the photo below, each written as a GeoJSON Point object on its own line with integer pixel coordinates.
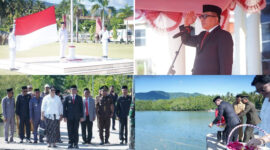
{"type": "Point", "coordinates": [161, 130]}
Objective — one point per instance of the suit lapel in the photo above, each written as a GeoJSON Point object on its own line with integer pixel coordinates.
{"type": "Point", "coordinates": [207, 39]}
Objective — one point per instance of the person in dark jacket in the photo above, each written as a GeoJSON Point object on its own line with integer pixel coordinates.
{"type": "Point", "coordinates": [35, 114]}
{"type": "Point", "coordinates": [114, 98]}
{"type": "Point", "coordinates": [214, 47]}
{"type": "Point", "coordinates": [252, 118]}
{"type": "Point", "coordinates": [73, 114]}
{"type": "Point", "coordinates": [122, 111]}
{"type": "Point", "coordinates": [226, 110]}
{"type": "Point", "coordinates": [22, 111]}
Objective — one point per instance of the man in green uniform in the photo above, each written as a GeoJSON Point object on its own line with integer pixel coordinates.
{"type": "Point", "coordinates": [252, 118]}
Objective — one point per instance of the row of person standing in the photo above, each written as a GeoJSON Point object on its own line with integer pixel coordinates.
{"type": "Point", "coordinates": [47, 112]}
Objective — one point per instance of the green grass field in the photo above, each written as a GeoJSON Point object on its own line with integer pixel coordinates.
{"type": "Point", "coordinates": [88, 49]}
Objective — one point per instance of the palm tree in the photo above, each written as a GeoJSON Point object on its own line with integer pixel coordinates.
{"type": "Point", "coordinates": [102, 7]}
{"type": "Point", "coordinates": [124, 13]}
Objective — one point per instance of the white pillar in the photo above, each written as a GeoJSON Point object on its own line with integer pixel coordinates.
{"type": "Point", "coordinates": [253, 50]}
{"type": "Point", "coordinates": [239, 55]}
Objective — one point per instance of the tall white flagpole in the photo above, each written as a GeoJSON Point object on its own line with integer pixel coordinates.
{"type": "Point", "coordinates": [71, 47]}
{"type": "Point", "coordinates": [71, 21]}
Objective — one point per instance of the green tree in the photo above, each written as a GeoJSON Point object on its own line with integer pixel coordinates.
{"type": "Point", "coordinates": [92, 32]}
{"type": "Point", "coordinates": [114, 33]}
{"type": "Point", "coordinates": [102, 8]}
{"type": "Point", "coordinates": [124, 13]}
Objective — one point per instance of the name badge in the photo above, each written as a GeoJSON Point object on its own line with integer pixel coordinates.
{"type": "Point", "coordinates": [8, 103]}
{"type": "Point", "coordinates": [69, 101]}
{"type": "Point", "coordinates": [36, 105]}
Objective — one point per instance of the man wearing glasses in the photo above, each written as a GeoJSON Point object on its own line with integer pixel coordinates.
{"type": "Point", "coordinates": [214, 46]}
{"type": "Point", "coordinates": [22, 111]}
{"type": "Point", "coordinates": [262, 84]}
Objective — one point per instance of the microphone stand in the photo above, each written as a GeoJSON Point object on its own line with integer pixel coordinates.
{"type": "Point", "coordinates": [171, 70]}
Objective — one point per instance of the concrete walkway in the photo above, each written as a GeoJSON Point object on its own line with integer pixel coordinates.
{"type": "Point", "coordinates": [114, 141]}
{"type": "Point", "coordinates": [81, 66]}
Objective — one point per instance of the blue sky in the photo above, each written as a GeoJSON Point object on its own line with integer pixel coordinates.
{"type": "Point", "coordinates": [209, 85]}
{"type": "Point", "coordinates": [116, 3]}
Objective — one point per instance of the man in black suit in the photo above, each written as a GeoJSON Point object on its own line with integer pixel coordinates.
{"type": "Point", "coordinates": [226, 110]}
{"type": "Point", "coordinates": [214, 47]}
{"type": "Point", "coordinates": [114, 97]}
{"type": "Point", "coordinates": [73, 114]}
{"type": "Point", "coordinates": [22, 110]}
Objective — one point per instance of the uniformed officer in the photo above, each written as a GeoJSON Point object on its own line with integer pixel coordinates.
{"type": "Point", "coordinates": [63, 39]}
{"type": "Point", "coordinates": [12, 48]}
{"type": "Point", "coordinates": [238, 108]}
{"type": "Point", "coordinates": [114, 97]}
{"type": "Point", "coordinates": [122, 111]}
{"type": "Point", "coordinates": [105, 109]}
{"type": "Point", "coordinates": [73, 114]}
{"type": "Point", "coordinates": [104, 40]}
{"type": "Point", "coordinates": [22, 111]}
{"type": "Point", "coordinates": [35, 114]}
{"type": "Point", "coordinates": [8, 108]}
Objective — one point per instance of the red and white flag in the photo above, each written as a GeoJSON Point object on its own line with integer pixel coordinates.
{"type": "Point", "coordinates": [98, 25]}
{"type": "Point", "coordinates": [36, 29]}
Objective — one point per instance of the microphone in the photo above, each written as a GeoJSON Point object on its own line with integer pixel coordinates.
{"type": "Point", "coordinates": [192, 32]}
{"type": "Point", "coordinates": [178, 34]}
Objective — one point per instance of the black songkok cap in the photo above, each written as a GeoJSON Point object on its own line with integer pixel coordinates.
{"type": "Point", "coordinates": [212, 8]}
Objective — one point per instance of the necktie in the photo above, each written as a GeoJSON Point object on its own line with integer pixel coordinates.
{"type": "Point", "coordinates": [86, 106]}
{"type": "Point", "coordinates": [73, 99]}
{"type": "Point", "coordinates": [204, 37]}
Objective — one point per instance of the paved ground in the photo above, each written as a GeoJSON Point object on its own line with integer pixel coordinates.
{"type": "Point", "coordinates": [114, 141]}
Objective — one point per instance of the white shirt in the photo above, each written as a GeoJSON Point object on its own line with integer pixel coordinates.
{"type": "Point", "coordinates": [52, 105]}
{"type": "Point", "coordinates": [265, 117]}
{"type": "Point", "coordinates": [63, 35]}
{"type": "Point", "coordinates": [105, 36]}
{"type": "Point", "coordinates": [11, 40]}
{"type": "Point", "coordinates": [212, 28]}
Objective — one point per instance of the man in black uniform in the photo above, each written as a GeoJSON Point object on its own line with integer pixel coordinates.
{"type": "Point", "coordinates": [114, 97]}
{"type": "Point", "coordinates": [73, 114]}
{"type": "Point", "coordinates": [122, 111]}
{"type": "Point", "coordinates": [22, 110]}
{"type": "Point", "coordinates": [104, 111]}
{"type": "Point", "coordinates": [226, 110]}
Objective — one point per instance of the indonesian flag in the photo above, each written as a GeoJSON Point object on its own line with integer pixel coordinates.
{"type": "Point", "coordinates": [98, 25]}
{"type": "Point", "coordinates": [36, 29]}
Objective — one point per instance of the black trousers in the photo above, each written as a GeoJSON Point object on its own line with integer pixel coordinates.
{"type": "Point", "coordinates": [73, 129]}
{"type": "Point", "coordinates": [113, 120]}
{"type": "Point", "coordinates": [234, 135]}
{"type": "Point", "coordinates": [123, 129]}
{"type": "Point", "coordinates": [89, 125]}
{"type": "Point", "coordinates": [104, 123]}
{"type": "Point", "coordinates": [24, 122]}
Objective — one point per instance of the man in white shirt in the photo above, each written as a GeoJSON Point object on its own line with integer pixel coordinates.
{"type": "Point", "coordinates": [104, 40]}
{"type": "Point", "coordinates": [12, 48]}
{"type": "Point", "coordinates": [63, 39]}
